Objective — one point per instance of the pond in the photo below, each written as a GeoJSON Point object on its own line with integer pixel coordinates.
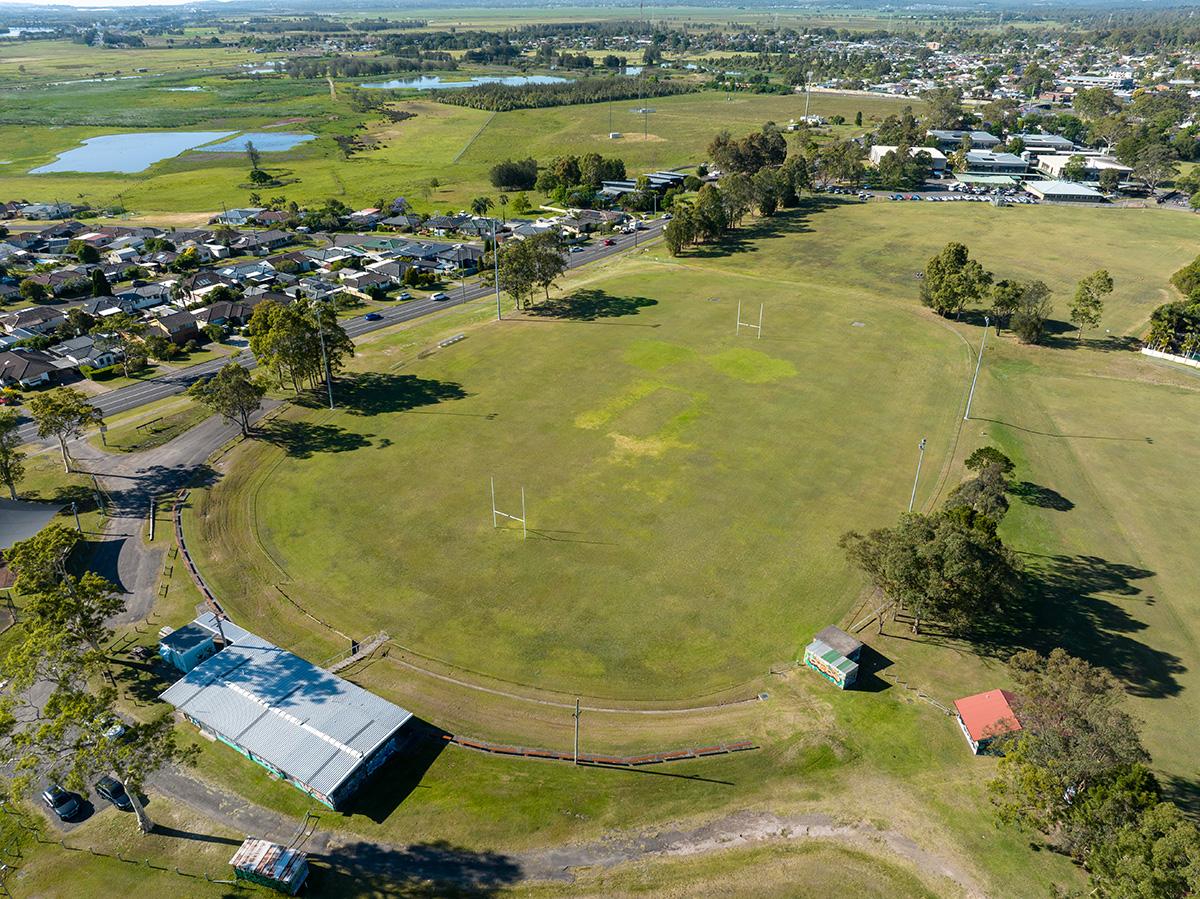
{"type": "Point", "coordinates": [264, 141]}
{"type": "Point", "coordinates": [127, 153]}
{"type": "Point", "coordinates": [437, 82]}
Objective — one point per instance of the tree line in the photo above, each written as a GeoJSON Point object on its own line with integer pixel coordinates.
{"type": "Point", "coordinates": [952, 281]}
{"type": "Point", "coordinates": [949, 566]}
{"type": "Point", "coordinates": [291, 341]}
{"type": "Point", "coordinates": [507, 97]}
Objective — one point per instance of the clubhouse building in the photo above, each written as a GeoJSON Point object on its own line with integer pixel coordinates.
{"type": "Point", "coordinates": [320, 733]}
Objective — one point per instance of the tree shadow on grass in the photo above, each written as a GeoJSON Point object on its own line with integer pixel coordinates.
{"type": "Point", "coordinates": [1079, 603]}
{"type": "Point", "coordinates": [420, 871]}
{"type": "Point", "coordinates": [1184, 792]}
{"type": "Point", "coordinates": [376, 393]}
{"type": "Point", "coordinates": [589, 306]}
{"type": "Point", "coordinates": [784, 223]}
{"type": "Point", "coordinates": [301, 439]}
{"type": "Point", "coordinates": [1043, 497]}
{"type": "Point", "coordinates": [1065, 336]}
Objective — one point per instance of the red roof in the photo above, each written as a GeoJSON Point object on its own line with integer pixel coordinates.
{"type": "Point", "coordinates": [988, 714]}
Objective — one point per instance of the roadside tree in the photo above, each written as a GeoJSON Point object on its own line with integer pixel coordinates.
{"type": "Point", "coordinates": [63, 414]}
{"type": "Point", "coordinates": [12, 460]}
{"type": "Point", "coordinates": [231, 393]}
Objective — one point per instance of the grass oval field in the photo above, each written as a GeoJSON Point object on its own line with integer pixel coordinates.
{"type": "Point", "coordinates": [685, 488]}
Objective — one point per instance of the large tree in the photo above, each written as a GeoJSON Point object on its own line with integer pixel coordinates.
{"type": "Point", "coordinates": [710, 216]}
{"type": "Point", "coordinates": [12, 460]}
{"type": "Point", "coordinates": [946, 567]}
{"type": "Point", "coordinates": [1088, 304]}
{"type": "Point", "coordinates": [1156, 855]}
{"type": "Point", "coordinates": [1033, 311]}
{"type": "Point", "coordinates": [121, 332]}
{"type": "Point", "coordinates": [953, 280]}
{"type": "Point", "coordinates": [737, 193]}
{"type": "Point", "coordinates": [63, 414]}
{"type": "Point", "coordinates": [232, 393]}
{"type": "Point", "coordinates": [1154, 164]}
{"type": "Point", "coordinates": [1074, 735]}
{"type": "Point", "coordinates": [40, 561]}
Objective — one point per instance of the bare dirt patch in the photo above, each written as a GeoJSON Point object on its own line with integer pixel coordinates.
{"type": "Point", "coordinates": [631, 138]}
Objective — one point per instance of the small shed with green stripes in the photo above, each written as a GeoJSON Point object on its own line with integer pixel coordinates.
{"type": "Point", "coordinates": [830, 655]}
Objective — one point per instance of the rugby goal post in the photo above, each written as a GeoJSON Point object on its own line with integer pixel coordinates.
{"type": "Point", "coordinates": [497, 514]}
{"type": "Point", "coordinates": [741, 324]}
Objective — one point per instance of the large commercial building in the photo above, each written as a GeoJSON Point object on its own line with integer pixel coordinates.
{"type": "Point", "coordinates": [320, 733]}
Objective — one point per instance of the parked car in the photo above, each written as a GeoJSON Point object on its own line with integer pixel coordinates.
{"type": "Point", "coordinates": [372, 317]}
{"type": "Point", "coordinates": [110, 788]}
{"type": "Point", "coordinates": [440, 296]}
{"type": "Point", "coordinates": [62, 802]}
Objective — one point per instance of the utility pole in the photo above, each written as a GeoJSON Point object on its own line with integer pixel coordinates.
{"type": "Point", "coordinates": [978, 362]}
{"type": "Point", "coordinates": [921, 458]}
{"type": "Point", "coordinates": [807, 90]}
{"type": "Point", "coordinates": [496, 263]}
{"type": "Point", "coordinates": [576, 731]}
{"type": "Point", "coordinates": [75, 512]}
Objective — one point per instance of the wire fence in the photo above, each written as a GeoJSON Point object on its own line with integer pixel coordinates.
{"type": "Point", "coordinates": [21, 821]}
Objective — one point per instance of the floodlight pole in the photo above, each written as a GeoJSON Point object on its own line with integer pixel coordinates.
{"type": "Point", "coordinates": [576, 731]}
{"type": "Point", "coordinates": [75, 511]}
{"type": "Point", "coordinates": [978, 362]}
{"type": "Point", "coordinates": [493, 480]}
{"type": "Point", "coordinates": [921, 458]}
{"type": "Point", "coordinates": [760, 312]}
{"type": "Point", "coordinates": [524, 527]}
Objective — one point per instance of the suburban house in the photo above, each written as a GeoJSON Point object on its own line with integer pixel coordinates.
{"type": "Point", "coordinates": [22, 367]}
{"type": "Point", "coordinates": [320, 733]}
{"type": "Point", "coordinates": [362, 284]}
{"type": "Point", "coordinates": [238, 217]}
{"type": "Point", "coordinates": [38, 319]}
{"type": "Point", "coordinates": [948, 141]}
{"type": "Point", "coordinates": [991, 163]}
{"type": "Point", "coordinates": [937, 159]}
{"type": "Point", "coordinates": [180, 327]}
{"type": "Point", "coordinates": [46, 211]}
{"type": "Point", "coordinates": [84, 351]}
{"type": "Point", "coordinates": [405, 222]}
{"type": "Point", "coordinates": [236, 312]}
{"type": "Point", "coordinates": [986, 716]}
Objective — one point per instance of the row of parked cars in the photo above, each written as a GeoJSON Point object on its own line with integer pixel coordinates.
{"type": "Point", "coordinates": [68, 805]}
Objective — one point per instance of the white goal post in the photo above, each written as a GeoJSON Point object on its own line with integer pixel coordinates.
{"type": "Point", "coordinates": [497, 514]}
{"type": "Point", "coordinates": [741, 324]}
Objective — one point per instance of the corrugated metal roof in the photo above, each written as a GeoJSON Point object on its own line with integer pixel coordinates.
{"type": "Point", "coordinates": [307, 723]}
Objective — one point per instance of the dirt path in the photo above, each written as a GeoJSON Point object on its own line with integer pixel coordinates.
{"type": "Point", "coordinates": [558, 863]}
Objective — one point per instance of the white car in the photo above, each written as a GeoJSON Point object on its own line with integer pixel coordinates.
{"type": "Point", "coordinates": [440, 296]}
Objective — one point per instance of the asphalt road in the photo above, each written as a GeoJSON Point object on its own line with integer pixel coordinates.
{"type": "Point", "coordinates": [125, 398]}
